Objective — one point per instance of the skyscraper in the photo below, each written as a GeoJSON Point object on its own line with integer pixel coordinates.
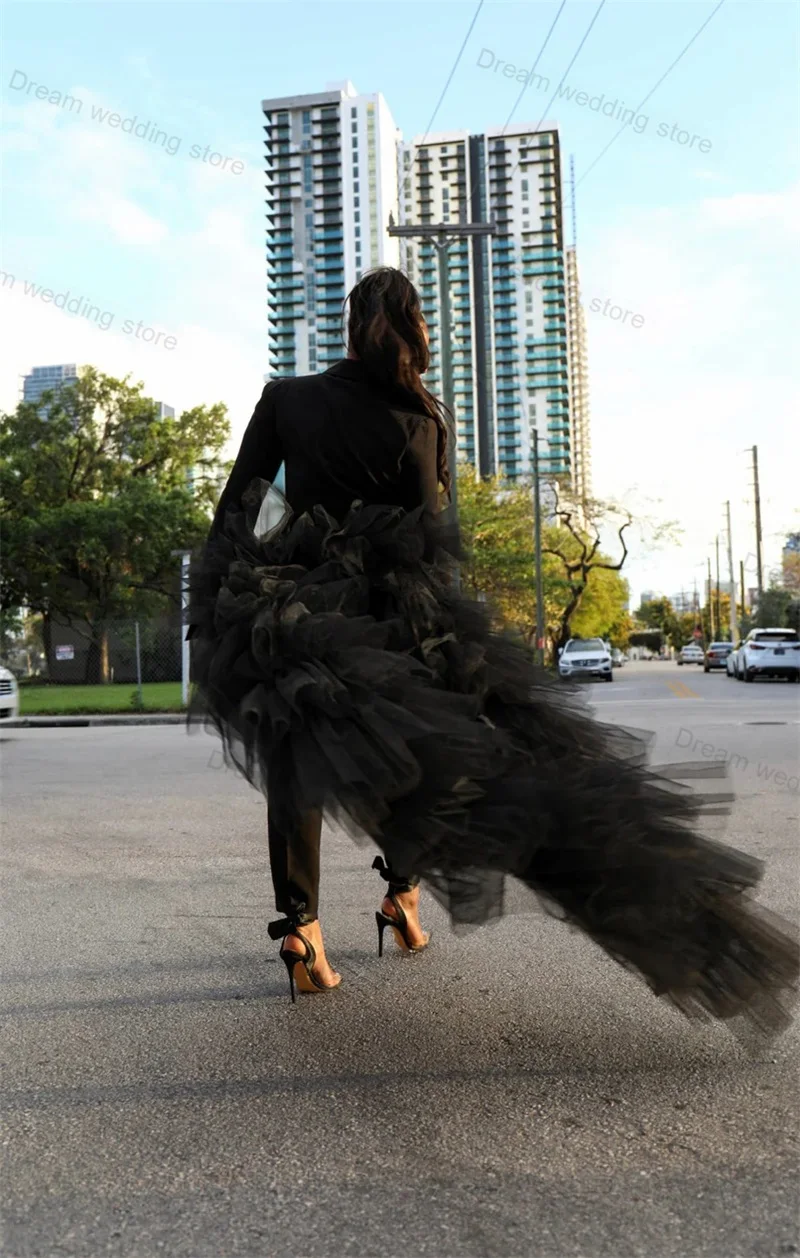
{"type": "Point", "coordinates": [580, 433]}
{"type": "Point", "coordinates": [336, 169]}
{"type": "Point", "coordinates": [508, 291]}
{"type": "Point", "coordinates": [331, 170]}
{"type": "Point", "coordinates": [41, 379]}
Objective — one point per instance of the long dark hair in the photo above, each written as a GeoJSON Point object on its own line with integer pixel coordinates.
{"type": "Point", "coordinates": [385, 332]}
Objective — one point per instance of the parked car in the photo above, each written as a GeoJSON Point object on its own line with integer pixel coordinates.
{"type": "Point", "coordinates": [730, 663]}
{"type": "Point", "coordinates": [9, 695]}
{"type": "Point", "coordinates": [769, 653]}
{"type": "Point", "coordinates": [716, 655]}
{"type": "Point", "coordinates": [691, 654]}
{"type": "Point", "coordinates": [617, 658]}
{"type": "Point", "coordinates": [585, 657]}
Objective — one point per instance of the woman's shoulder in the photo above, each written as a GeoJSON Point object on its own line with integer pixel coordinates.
{"type": "Point", "coordinates": [414, 422]}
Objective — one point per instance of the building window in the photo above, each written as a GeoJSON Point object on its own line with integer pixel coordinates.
{"type": "Point", "coordinates": [356, 201]}
{"type": "Point", "coordinates": [353, 126]}
{"type": "Point", "coordinates": [355, 172]}
{"type": "Point", "coordinates": [357, 216]}
{"type": "Point", "coordinates": [355, 185]}
{"type": "Point", "coordinates": [358, 232]}
{"type": "Point", "coordinates": [355, 141]}
{"type": "Point", "coordinates": [353, 111]}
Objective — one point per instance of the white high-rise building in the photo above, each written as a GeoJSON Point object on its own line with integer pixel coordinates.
{"type": "Point", "coordinates": [41, 380]}
{"type": "Point", "coordinates": [508, 291]}
{"type": "Point", "coordinates": [331, 172]}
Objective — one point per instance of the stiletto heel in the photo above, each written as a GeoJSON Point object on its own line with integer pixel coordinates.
{"type": "Point", "coordinates": [383, 921]}
{"type": "Point", "coordinates": [398, 924]}
{"type": "Point", "coordinates": [304, 979]}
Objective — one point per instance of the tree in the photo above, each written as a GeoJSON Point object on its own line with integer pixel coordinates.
{"type": "Point", "coordinates": [575, 543]}
{"type": "Point", "coordinates": [720, 630]}
{"type": "Point", "coordinates": [497, 529]}
{"type": "Point", "coordinates": [497, 526]}
{"type": "Point", "coordinates": [790, 572]}
{"type": "Point", "coordinates": [773, 608]}
{"type": "Point", "coordinates": [96, 495]}
{"type": "Point", "coordinates": [656, 613]}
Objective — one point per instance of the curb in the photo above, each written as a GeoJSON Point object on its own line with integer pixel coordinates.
{"type": "Point", "coordinates": [81, 722]}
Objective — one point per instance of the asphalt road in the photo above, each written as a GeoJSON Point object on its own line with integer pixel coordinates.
{"type": "Point", "coordinates": [511, 1093]}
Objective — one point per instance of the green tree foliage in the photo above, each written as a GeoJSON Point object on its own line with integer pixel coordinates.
{"type": "Point", "coordinates": [497, 525]}
{"type": "Point", "coordinates": [676, 628]}
{"type": "Point", "coordinates": [97, 491]}
{"type": "Point", "coordinates": [573, 542]}
{"type": "Point", "coordinates": [773, 608]}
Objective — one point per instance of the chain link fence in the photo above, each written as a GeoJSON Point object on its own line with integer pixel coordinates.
{"type": "Point", "coordinates": [112, 664]}
{"type": "Point", "coordinates": [115, 651]}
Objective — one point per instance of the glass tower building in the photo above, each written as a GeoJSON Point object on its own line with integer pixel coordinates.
{"type": "Point", "coordinates": [337, 169]}
{"type": "Point", "coordinates": [331, 176]}
{"type": "Point", "coordinates": [41, 379]}
{"type": "Point", "coordinates": [508, 291]}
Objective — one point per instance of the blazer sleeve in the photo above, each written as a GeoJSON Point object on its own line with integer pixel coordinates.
{"type": "Point", "coordinates": [260, 454]}
{"type": "Point", "coordinates": [423, 449]}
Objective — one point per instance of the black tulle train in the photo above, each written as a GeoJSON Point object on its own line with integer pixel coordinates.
{"type": "Point", "coordinates": [344, 652]}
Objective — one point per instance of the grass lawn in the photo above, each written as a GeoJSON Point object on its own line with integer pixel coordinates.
{"type": "Point", "coordinates": [159, 696]}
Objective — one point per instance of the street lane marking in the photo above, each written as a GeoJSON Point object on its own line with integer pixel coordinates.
{"type": "Point", "coordinates": [682, 691]}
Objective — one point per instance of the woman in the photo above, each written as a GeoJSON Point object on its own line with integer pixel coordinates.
{"type": "Point", "coordinates": [347, 675]}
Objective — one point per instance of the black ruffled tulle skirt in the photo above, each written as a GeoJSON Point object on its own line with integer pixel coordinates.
{"type": "Point", "coordinates": [344, 651]}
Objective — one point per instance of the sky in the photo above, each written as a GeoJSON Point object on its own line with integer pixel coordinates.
{"type": "Point", "coordinates": [689, 220]}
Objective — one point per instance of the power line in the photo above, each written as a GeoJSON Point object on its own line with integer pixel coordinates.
{"type": "Point", "coordinates": [533, 67]}
{"type": "Point", "coordinates": [575, 56]}
{"type": "Point", "coordinates": [507, 122]}
{"type": "Point", "coordinates": [444, 92]}
{"type": "Point", "coordinates": [655, 86]}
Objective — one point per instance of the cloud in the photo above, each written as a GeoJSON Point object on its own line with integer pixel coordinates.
{"type": "Point", "coordinates": [170, 241]}
{"type": "Point", "coordinates": [676, 403]}
{"type": "Point", "coordinates": [124, 219]}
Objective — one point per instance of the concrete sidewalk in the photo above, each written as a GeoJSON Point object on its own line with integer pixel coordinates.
{"type": "Point", "coordinates": [116, 718]}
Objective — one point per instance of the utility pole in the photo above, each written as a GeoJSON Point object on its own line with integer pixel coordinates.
{"type": "Point", "coordinates": [710, 602]}
{"type": "Point", "coordinates": [732, 617]}
{"type": "Point", "coordinates": [760, 577]}
{"type": "Point", "coordinates": [441, 236]}
{"type": "Point", "coordinates": [537, 516]}
{"type": "Point", "coordinates": [744, 597]}
{"type": "Point", "coordinates": [719, 607]}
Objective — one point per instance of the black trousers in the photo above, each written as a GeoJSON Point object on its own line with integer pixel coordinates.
{"type": "Point", "coordinates": [294, 848]}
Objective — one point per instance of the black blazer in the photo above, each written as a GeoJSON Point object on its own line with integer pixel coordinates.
{"type": "Point", "coordinates": [342, 440]}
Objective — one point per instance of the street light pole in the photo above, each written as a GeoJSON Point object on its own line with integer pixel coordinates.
{"type": "Point", "coordinates": [719, 605]}
{"type": "Point", "coordinates": [537, 515]}
{"type": "Point", "coordinates": [446, 356]}
{"type": "Point", "coordinates": [757, 491]}
{"type": "Point", "coordinates": [442, 236]}
{"type": "Point", "coordinates": [732, 616]}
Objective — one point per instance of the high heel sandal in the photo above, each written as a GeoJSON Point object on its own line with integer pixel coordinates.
{"type": "Point", "coordinates": [398, 924]}
{"type": "Point", "coordinates": [304, 977]}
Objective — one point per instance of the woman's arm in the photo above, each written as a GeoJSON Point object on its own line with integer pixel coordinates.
{"type": "Point", "coordinates": [260, 454]}
{"type": "Point", "coordinates": [423, 448]}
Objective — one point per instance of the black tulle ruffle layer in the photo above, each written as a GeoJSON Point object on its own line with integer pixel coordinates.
{"type": "Point", "coordinates": [343, 653]}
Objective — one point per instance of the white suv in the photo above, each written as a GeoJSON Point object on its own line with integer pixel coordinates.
{"type": "Point", "coordinates": [585, 657]}
{"type": "Point", "coordinates": [9, 695]}
{"type": "Point", "coordinates": [769, 653]}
